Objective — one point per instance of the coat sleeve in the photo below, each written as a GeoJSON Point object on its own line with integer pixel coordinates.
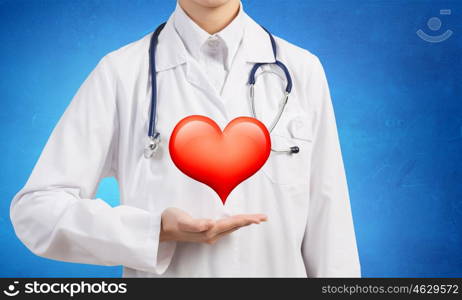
{"type": "Point", "coordinates": [329, 245]}
{"type": "Point", "coordinates": [55, 214]}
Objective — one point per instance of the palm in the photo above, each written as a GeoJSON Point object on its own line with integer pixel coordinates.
{"type": "Point", "coordinates": [180, 226]}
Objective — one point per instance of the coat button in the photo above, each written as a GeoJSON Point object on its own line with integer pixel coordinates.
{"type": "Point", "coordinates": [212, 42]}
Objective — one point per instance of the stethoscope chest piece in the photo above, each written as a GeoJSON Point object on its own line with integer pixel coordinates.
{"type": "Point", "coordinates": [152, 146]}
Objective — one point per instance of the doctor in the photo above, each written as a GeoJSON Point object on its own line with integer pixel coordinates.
{"type": "Point", "coordinates": [167, 223]}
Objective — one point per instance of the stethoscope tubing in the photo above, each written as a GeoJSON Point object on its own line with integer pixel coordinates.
{"type": "Point", "coordinates": [154, 136]}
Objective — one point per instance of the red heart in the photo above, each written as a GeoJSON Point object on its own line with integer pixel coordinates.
{"type": "Point", "coordinates": [221, 160]}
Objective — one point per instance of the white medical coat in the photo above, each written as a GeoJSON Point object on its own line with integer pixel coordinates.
{"type": "Point", "coordinates": [103, 131]}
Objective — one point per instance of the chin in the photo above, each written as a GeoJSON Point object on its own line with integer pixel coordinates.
{"type": "Point", "coordinates": [210, 3]}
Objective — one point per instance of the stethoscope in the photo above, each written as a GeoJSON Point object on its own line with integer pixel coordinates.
{"type": "Point", "coordinates": [153, 142]}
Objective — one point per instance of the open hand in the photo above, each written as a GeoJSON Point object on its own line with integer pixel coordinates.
{"type": "Point", "coordinates": [177, 225]}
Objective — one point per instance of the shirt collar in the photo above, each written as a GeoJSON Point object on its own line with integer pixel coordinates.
{"type": "Point", "coordinates": [172, 52]}
{"type": "Point", "coordinates": [193, 36]}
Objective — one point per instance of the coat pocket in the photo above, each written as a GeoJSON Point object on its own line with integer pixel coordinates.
{"type": "Point", "coordinates": [285, 168]}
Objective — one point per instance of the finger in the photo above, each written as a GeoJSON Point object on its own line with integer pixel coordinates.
{"type": "Point", "coordinates": [221, 234]}
{"type": "Point", "coordinates": [254, 220]}
{"type": "Point", "coordinates": [224, 233]}
{"type": "Point", "coordinates": [232, 222]}
{"type": "Point", "coordinates": [202, 237]}
{"type": "Point", "coordinates": [208, 236]}
{"type": "Point", "coordinates": [241, 220]}
{"type": "Point", "coordinates": [227, 224]}
{"type": "Point", "coordinates": [259, 217]}
{"type": "Point", "coordinates": [195, 225]}
{"type": "Point", "coordinates": [218, 229]}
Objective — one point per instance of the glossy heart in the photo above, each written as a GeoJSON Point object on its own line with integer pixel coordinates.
{"type": "Point", "coordinates": [221, 160]}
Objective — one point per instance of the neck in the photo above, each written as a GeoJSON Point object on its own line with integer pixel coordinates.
{"type": "Point", "coordinates": [211, 19]}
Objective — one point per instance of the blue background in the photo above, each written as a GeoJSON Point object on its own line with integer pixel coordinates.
{"type": "Point", "coordinates": [397, 99]}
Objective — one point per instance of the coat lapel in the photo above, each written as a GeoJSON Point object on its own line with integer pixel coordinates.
{"type": "Point", "coordinates": [255, 48]}
{"type": "Point", "coordinates": [233, 101]}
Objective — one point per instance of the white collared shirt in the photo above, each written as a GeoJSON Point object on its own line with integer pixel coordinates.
{"type": "Point", "coordinates": [214, 52]}
{"type": "Point", "coordinates": [103, 133]}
